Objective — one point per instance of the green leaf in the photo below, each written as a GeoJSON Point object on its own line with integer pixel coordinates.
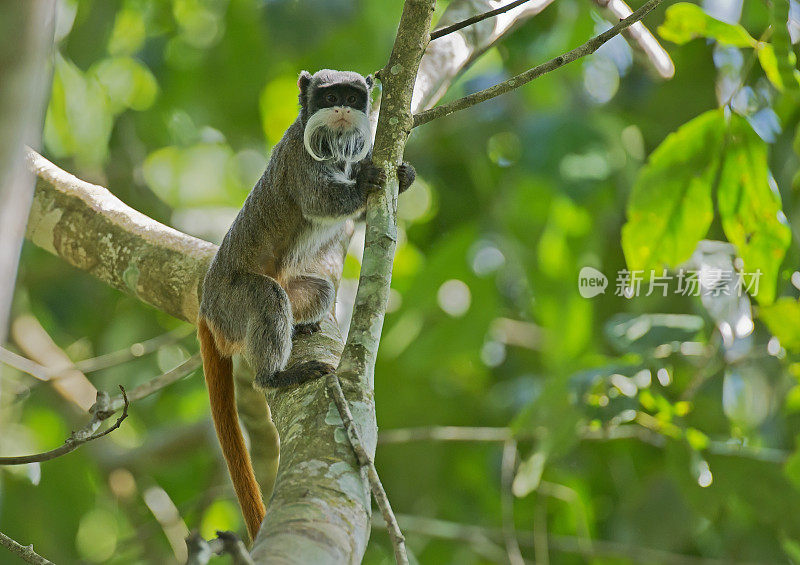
{"type": "Point", "coordinates": [750, 210]}
{"type": "Point", "coordinates": [670, 208]}
{"type": "Point", "coordinates": [783, 320]}
{"type": "Point", "coordinates": [129, 32]}
{"type": "Point", "coordinates": [79, 118]}
{"type": "Point", "coordinates": [785, 58]}
{"type": "Point", "coordinates": [128, 82]}
{"type": "Point", "coordinates": [685, 22]}
{"type": "Point", "coordinates": [769, 62]}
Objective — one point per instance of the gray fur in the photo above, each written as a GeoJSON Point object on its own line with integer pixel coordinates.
{"type": "Point", "coordinates": [266, 275]}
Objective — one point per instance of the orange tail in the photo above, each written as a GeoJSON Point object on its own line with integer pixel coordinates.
{"type": "Point", "coordinates": [219, 380]}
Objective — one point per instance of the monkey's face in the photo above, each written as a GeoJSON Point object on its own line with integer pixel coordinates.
{"type": "Point", "coordinates": [338, 126]}
{"type": "Point", "coordinates": [341, 103]}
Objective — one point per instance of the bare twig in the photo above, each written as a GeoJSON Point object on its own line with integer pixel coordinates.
{"type": "Point", "coordinates": [515, 82]}
{"type": "Point", "coordinates": [226, 543]}
{"type": "Point", "coordinates": [100, 411]}
{"type": "Point", "coordinates": [157, 383]}
{"type": "Point", "coordinates": [501, 435]}
{"type": "Point", "coordinates": [445, 433]}
{"type": "Point", "coordinates": [507, 502]}
{"type": "Point", "coordinates": [467, 533]}
{"type": "Point", "coordinates": [133, 351]}
{"type": "Point", "coordinates": [364, 460]}
{"type": "Point", "coordinates": [436, 34]}
{"type": "Point", "coordinates": [24, 552]}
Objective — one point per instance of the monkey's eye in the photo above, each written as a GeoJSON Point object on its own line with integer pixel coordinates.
{"type": "Point", "coordinates": [331, 98]}
{"type": "Point", "coordinates": [351, 99]}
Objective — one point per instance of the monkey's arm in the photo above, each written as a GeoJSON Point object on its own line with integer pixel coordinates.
{"type": "Point", "coordinates": [330, 198]}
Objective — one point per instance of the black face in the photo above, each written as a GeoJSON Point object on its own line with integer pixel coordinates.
{"type": "Point", "coordinates": [339, 95]}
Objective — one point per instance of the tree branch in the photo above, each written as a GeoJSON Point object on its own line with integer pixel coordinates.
{"type": "Point", "coordinates": [320, 508]}
{"type": "Point", "coordinates": [515, 82]}
{"type": "Point", "coordinates": [378, 492]}
{"type": "Point", "coordinates": [646, 41]}
{"type": "Point", "coordinates": [467, 533]}
{"type": "Point", "coordinates": [100, 411]}
{"type": "Point", "coordinates": [24, 552]}
{"type": "Point", "coordinates": [441, 32]}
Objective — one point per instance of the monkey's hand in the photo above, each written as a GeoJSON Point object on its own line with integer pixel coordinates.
{"type": "Point", "coordinates": [371, 177]}
{"type": "Point", "coordinates": [405, 175]}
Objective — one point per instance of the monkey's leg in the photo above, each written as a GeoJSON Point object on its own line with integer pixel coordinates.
{"type": "Point", "coordinates": [268, 339]}
{"type": "Point", "coordinates": [311, 298]}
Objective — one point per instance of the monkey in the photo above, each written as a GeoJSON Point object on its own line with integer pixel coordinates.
{"type": "Point", "coordinates": [266, 281]}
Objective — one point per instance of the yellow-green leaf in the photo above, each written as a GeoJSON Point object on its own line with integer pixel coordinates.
{"type": "Point", "coordinates": [750, 210]}
{"type": "Point", "coordinates": [670, 208]}
{"type": "Point", "coordinates": [783, 320]}
{"type": "Point", "coordinates": [685, 22]}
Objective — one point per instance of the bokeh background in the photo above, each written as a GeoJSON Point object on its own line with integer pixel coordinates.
{"type": "Point", "coordinates": [650, 429]}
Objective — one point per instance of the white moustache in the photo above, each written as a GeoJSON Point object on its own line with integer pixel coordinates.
{"type": "Point", "coordinates": [335, 133]}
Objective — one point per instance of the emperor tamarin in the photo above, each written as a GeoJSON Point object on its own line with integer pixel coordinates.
{"type": "Point", "coordinates": [267, 278]}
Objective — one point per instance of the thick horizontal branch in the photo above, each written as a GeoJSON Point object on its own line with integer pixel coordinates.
{"type": "Point", "coordinates": [521, 79]}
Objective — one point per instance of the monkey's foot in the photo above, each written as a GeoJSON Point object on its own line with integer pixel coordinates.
{"type": "Point", "coordinates": [406, 175]}
{"type": "Point", "coordinates": [305, 329]}
{"type": "Point", "coordinates": [296, 375]}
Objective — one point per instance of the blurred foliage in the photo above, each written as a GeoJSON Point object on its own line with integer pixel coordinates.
{"type": "Point", "coordinates": [663, 421]}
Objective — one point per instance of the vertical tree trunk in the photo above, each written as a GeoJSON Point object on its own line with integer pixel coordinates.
{"type": "Point", "coordinates": [27, 31]}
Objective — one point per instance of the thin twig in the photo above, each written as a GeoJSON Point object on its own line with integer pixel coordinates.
{"type": "Point", "coordinates": [468, 533]}
{"type": "Point", "coordinates": [162, 381]}
{"type": "Point", "coordinates": [24, 552]}
{"type": "Point", "coordinates": [500, 435]}
{"type": "Point", "coordinates": [436, 34]}
{"type": "Point", "coordinates": [100, 411]}
{"type": "Point", "coordinates": [507, 503]}
{"type": "Point", "coordinates": [364, 460]}
{"type": "Point", "coordinates": [515, 82]}
{"type": "Point", "coordinates": [133, 351]}
{"type": "Point", "coordinates": [226, 543]}
{"type": "Point", "coordinates": [541, 545]}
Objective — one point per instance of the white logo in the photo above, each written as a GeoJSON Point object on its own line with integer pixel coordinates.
{"type": "Point", "coordinates": [591, 282]}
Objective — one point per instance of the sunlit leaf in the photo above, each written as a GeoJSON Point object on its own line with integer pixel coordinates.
{"type": "Point", "coordinates": [685, 22]}
{"type": "Point", "coordinates": [79, 118]}
{"type": "Point", "coordinates": [781, 41]}
{"type": "Point", "coordinates": [128, 82]}
{"type": "Point", "coordinates": [750, 209]}
{"type": "Point", "coordinates": [128, 33]}
{"type": "Point", "coordinates": [670, 208]}
{"type": "Point", "coordinates": [783, 320]}
{"type": "Point", "coordinates": [769, 62]}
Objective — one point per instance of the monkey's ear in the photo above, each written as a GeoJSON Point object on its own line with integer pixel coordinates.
{"type": "Point", "coordinates": [370, 81]}
{"type": "Point", "coordinates": [303, 81]}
